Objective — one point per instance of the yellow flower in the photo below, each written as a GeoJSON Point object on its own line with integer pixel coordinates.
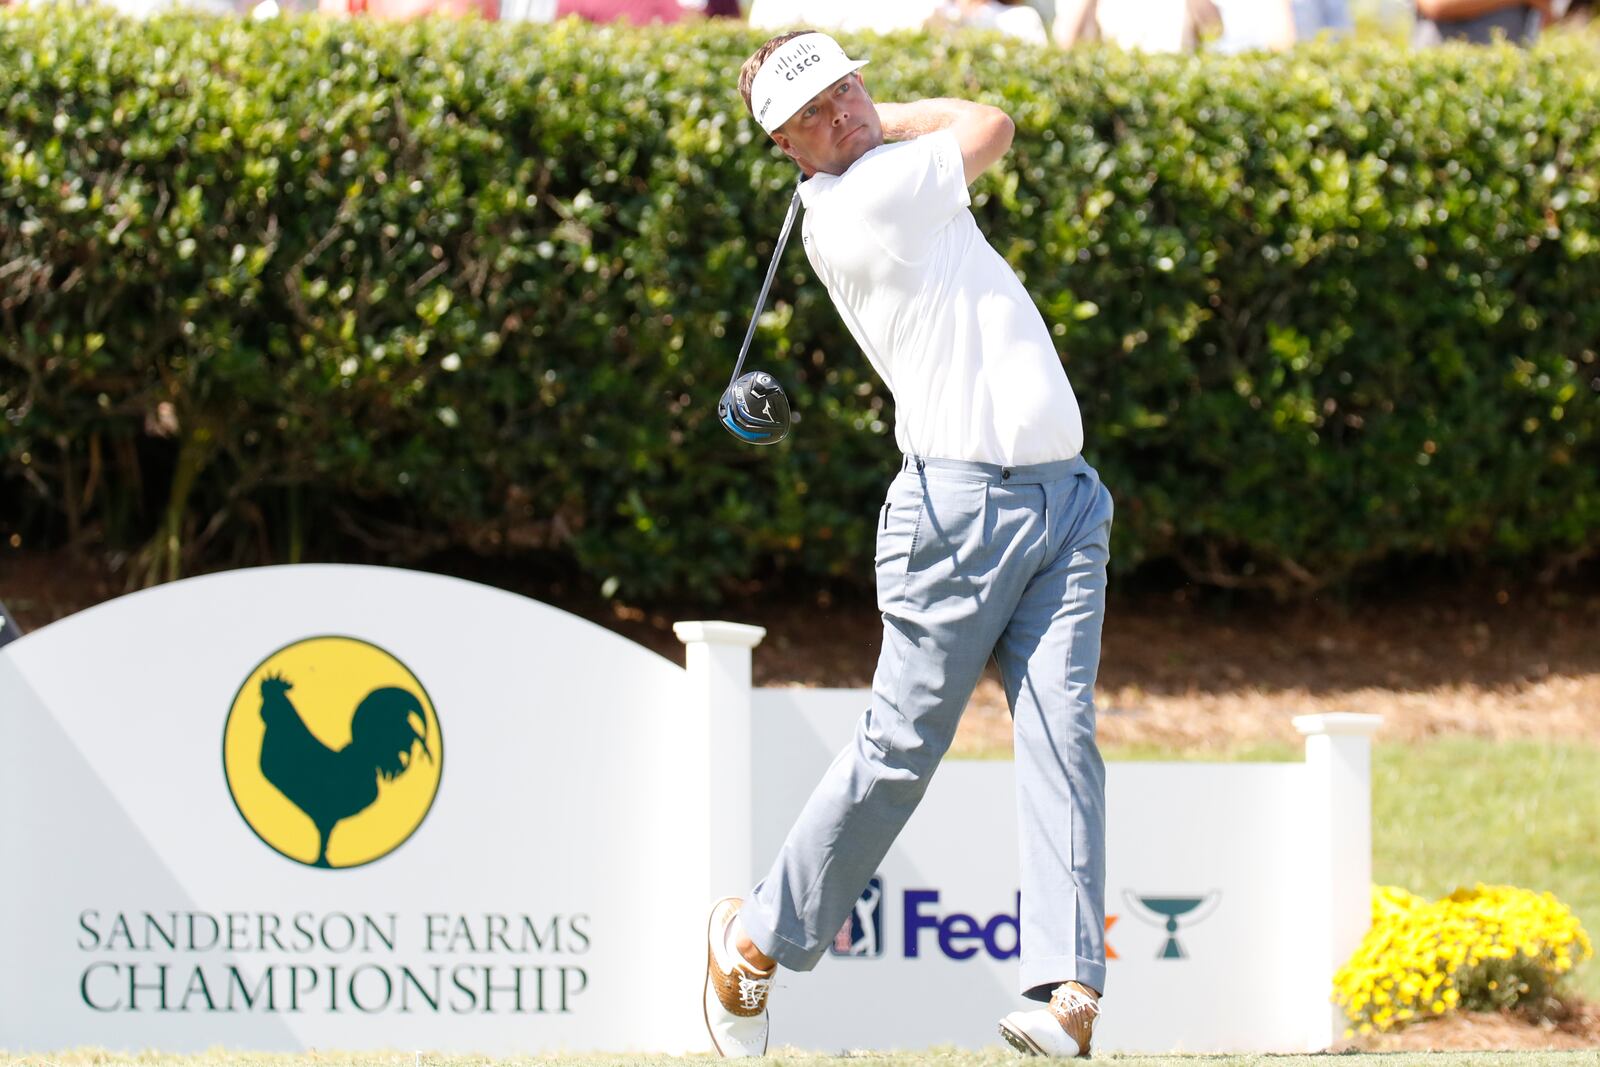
{"type": "Point", "coordinates": [1422, 957]}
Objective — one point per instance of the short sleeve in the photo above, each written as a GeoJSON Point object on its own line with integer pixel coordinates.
{"type": "Point", "coordinates": [910, 192]}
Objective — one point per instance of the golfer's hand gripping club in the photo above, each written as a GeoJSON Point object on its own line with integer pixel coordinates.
{"type": "Point", "coordinates": [754, 407]}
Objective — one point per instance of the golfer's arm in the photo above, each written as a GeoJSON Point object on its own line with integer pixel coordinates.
{"type": "Point", "coordinates": [983, 132]}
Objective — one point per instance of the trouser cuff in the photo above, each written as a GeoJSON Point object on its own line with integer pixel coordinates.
{"type": "Point", "coordinates": [1040, 977]}
{"type": "Point", "coordinates": [789, 955]}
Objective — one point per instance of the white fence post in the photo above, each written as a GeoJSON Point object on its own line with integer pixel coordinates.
{"type": "Point", "coordinates": [1339, 856]}
{"type": "Point", "coordinates": [717, 661]}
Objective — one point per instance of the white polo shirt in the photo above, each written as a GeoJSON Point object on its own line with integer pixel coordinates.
{"type": "Point", "coordinates": [941, 317]}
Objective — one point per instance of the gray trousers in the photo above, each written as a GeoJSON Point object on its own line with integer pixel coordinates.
{"type": "Point", "coordinates": [973, 560]}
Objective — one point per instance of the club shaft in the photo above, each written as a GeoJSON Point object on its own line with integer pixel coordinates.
{"type": "Point", "coordinates": [766, 286]}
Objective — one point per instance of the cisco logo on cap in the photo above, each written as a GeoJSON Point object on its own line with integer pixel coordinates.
{"type": "Point", "coordinates": [791, 71]}
{"type": "Point", "coordinates": [803, 55]}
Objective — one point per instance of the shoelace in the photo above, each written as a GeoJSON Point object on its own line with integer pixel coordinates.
{"type": "Point", "coordinates": [753, 991]}
{"type": "Point", "coordinates": [1074, 1005]}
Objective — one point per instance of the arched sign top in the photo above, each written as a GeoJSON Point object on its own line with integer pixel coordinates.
{"type": "Point", "coordinates": [328, 578]}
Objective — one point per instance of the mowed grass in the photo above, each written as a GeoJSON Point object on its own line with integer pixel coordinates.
{"type": "Point", "coordinates": [1460, 810]}
{"type": "Point", "coordinates": [931, 1058]}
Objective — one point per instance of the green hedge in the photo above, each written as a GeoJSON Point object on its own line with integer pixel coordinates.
{"type": "Point", "coordinates": [280, 288]}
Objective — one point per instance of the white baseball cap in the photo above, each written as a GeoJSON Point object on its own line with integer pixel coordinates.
{"type": "Point", "coordinates": [799, 69]}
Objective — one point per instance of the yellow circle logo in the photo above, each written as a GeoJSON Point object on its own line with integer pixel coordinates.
{"type": "Point", "coordinates": [333, 752]}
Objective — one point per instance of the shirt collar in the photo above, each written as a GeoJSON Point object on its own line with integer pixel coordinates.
{"type": "Point", "coordinates": [818, 183]}
{"type": "Point", "coordinates": [812, 186]}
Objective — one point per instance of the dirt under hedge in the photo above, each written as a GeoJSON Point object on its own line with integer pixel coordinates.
{"type": "Point", "coordinates": [1183, 667]}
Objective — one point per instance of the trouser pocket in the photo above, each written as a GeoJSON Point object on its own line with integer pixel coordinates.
{"type": "Point", "coordinates": [899, 523]}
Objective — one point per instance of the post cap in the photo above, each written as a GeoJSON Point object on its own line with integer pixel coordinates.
{"type": "Point", "coordinates": [719, 633]}
{"type": "Point", "coordinates": [1338, 724]}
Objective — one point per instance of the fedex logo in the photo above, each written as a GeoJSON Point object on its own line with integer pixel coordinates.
{"type": "Point", "coordinates": [959, 935]}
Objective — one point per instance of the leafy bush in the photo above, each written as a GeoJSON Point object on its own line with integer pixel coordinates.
{"type": "Point", "coordinates": [1481, 949]}
{"type": "Point", "coordinates": [271, 288]}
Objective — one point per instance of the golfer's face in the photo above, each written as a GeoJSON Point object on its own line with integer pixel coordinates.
{"type": "Point", "coordinates": [834, 128]}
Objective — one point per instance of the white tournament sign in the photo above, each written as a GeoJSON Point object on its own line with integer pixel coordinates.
{"type": "Point", "coordinates": [361, 808]}
{"type": "Point", "coordinates": [337, 806]}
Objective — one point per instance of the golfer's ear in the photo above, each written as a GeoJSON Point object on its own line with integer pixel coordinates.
{"type": "Point", "coordinates": [788, 149]}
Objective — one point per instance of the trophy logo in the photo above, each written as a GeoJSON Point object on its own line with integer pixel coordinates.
{"type": "Point", "coordinates": [1165, 911]}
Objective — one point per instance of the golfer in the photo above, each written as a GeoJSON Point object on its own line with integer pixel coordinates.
{"type": "Point", "coordinates": [992, 541]}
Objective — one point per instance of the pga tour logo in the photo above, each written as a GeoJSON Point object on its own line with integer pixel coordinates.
{"type": "Point", "coordinates": [862, 932]}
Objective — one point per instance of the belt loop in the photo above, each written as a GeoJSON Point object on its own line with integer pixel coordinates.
{"type": "Point", "coordinates": [920, 463]}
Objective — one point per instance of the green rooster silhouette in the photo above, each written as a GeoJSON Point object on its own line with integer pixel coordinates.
{"type": "Point", "coordinates": [333, 785]}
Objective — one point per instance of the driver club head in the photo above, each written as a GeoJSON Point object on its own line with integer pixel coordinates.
{"type": "Point", "coordinates": [754, 409]}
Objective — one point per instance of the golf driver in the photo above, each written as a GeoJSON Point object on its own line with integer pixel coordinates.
{"type": "Point", "coordinates": [754, 407]}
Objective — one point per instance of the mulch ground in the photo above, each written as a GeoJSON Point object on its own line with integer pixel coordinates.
{"type": "Point", "coordinates": [1577, 1029]}
{"type": "Point", "coordinates": [1179, 668]}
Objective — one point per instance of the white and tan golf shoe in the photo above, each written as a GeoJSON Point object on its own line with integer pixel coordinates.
{"type": "Point", "coordinates": [736, 993]}
{"type": "Point", "coordinates": [1063, 1028]}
